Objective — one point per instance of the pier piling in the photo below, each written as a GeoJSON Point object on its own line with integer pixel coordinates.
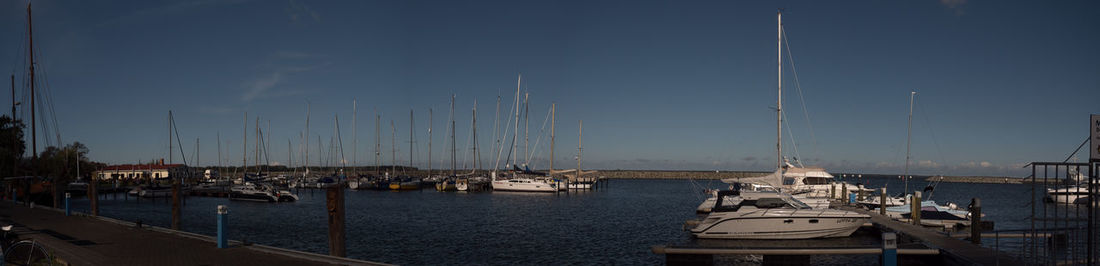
{"type": "Point", "coordinates": [223, 226]}
{"type": "Point", "coordinates": [914, 211]}
{"type": "Point", "coordinates": [335, 203]}
{"type": "Point", "coordinates": [93, 197]}
{"type": "Point", "coordinates": [844, 191]}
{"type": "Point", "coordinates": [176, 205]}
{"type": "Point", "coordinates": [832, 190]}
{"type": "Point", "coordinates": [882, 202]}
{"type": "Point", "coordinates": [976, 221]}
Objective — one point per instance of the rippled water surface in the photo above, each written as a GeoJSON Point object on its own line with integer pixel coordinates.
{"type": "Point", "coordinates": [616, 225]}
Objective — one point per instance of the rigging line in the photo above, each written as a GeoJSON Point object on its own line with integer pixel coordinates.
{"type": "Point", "coordinates": [542, 132]}
{"type": "Point", "coordinates": [794, 143]}
{"type": "Point", "coordinates": [178, 142]}
{"type": "Point", "coordinates": [50, 102]}
{"type": "Point", "coordinates": [504, 137]}
{"type": "Point", "coordinates": [801, 99]}
{"type": "Point", "coordinates": [1078, 149]}
{"type": "Point", "coordinates": [928, 124]}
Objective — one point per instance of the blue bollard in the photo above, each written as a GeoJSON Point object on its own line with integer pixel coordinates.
{"type": "Point", "coordinates": [14, 196]}
{"type": "Point", "coordinates": [223, 224]}
{"type": "Point", "coordinates": [68, 211]}
{"type": "Point", "coordinates": [889, 249]}
{"type": "Point", "coordinates": [851, 198]}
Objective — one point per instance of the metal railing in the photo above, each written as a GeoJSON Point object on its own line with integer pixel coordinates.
{"type": "Point", "coordinates": [1063, 228]}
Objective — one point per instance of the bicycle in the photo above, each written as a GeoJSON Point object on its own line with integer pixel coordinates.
{"type": "Point", "coordinates": [21, 252]}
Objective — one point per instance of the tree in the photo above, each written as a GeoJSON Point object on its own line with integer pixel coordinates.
{"type": "Point", "coordinates": [12, 145]}
{"type": "Point", "coordinates": [59, 164]}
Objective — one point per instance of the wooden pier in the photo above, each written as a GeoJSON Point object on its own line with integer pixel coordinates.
{"type": "Point", "coordinates": [88, 240]}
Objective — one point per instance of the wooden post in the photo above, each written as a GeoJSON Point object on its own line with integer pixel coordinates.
{"type": "Point", "coordinates": [175, 204]}
{"type": "Point", "coordinates": [976, 221]}
{"type": "Point", "coordinates": [860, 192]}
{"type": "Point", "coordinates": [832, 190]}
{"type": "Point", "coordinates": [335, 204]}
{"type": "Point", "coordinates": [882, 202]}
{"type": "Point", "coordinates": [93, 196]}
{"type": "Point", "coordinates": [844, 192]}
{"type": "Point", "coordinates": [914, 211]}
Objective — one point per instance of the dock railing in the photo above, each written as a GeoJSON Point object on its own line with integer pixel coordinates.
{"type": "Point", "coordinates": [1063, 224]}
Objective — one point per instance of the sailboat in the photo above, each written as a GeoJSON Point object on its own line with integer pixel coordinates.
{"type": "Point", "coordinates": [931, 213]}
{"type": "Point", "coordinates": [744, 214]}
{"type": "Point", "coordinates": [521, 180]}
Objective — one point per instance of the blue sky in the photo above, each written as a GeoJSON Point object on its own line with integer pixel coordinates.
{"type": "Point", "coordinates": [659, 84]}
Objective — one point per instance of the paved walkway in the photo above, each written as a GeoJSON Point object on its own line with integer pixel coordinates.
{"type": "Point", "coordinates": [84, 240]}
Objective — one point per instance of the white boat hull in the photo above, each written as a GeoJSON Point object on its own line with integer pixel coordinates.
{"type": "Point", "coordinates": [534, 186]}
{"type": "Point", "coordinates": [1070, 195]}
{"type": "Point", "coordinates": [796, 227]}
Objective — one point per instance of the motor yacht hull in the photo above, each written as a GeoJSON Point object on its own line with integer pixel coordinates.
{"type": "Point", "coordinates": [1070, 195]}
{"type": "Point", "coordinates": [780, 227]}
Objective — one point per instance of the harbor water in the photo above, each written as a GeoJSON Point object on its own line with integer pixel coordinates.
{"type": "Point", "coordinates": [614, 225]}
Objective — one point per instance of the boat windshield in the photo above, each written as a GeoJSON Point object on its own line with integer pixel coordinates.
{"type": "Point", "coordinates": [797, 204]}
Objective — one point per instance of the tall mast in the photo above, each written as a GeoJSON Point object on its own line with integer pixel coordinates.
{"type": "Point", "coordinates": [515, 133]}
{"type": "Point", "coordinates": [355, 137]}
{"type": "Point", "coordinates": [580, 149]}
{"type": "Point", "coordinates": [779, 102]}
{"type": "Point", "coordinates": [258, 139]}
{"type": "Point", "coordinates": [908, 135]}
{"type": "Point", "coordinates": [219, 151]}
{"type": "Point", "coordinates": [377, 143]}
{"type": "Point", "coordinates": [34, 119]}
{"type": "Point", "coordinates": [477, 156]}
{"type": "Point", "coordinates": [496, 142]}
{"type": "Point", "coordinates": [289, 154]}
{"type": "Point", "coordinates": [305, 137]}
{"type": "Point", "coordinates": [170, 137]}
{"type": "Point", "coordinates": [526, 128]}
{"type": "Point", "coordinates": [453, 162]}
{"type": "Point", "coordinates": [393, 146]}
{"type": "Point", "coordinates": [430, 141]}
{"type": "Point", "coordinates": [197, 164]}
{"type": "Point", "coordinates": [553, 120]}
{"type": "Point", "coordinates": [244, 144]}
{"type": "Point", "coordinates": [411, 123]}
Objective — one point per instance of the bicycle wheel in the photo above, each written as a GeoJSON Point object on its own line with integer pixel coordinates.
{"type": "Point", "coordinates": [26, 253]}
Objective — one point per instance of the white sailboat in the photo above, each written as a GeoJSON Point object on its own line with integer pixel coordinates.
{"type": "Point", "coordinates": [519, 180]}
{"type": "Point", "coordinates": [744, 214]}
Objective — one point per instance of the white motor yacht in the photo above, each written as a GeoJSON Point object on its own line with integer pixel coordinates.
{"type": "Point", "coordinates": [774, 215]}
{"type": "Point", "coordinates": [933, 214]}
{"type": "Point", "coordinates": [1069, 195]}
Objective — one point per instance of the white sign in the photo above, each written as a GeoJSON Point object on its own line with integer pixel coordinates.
{"type": "Point", "coordinates": [1094, 138]}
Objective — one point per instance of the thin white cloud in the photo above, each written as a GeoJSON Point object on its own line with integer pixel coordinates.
{"type": "Point", "coordinates": [955, 5]}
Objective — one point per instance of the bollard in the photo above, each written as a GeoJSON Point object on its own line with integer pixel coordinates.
{"type": "Point", "coordinates": [335, 202]}
{"type": "Point", "coordinates": [14, 196]}
{"type": "Point", "coordinates": [976, 221]}
{"type": "Point", "coordinates": [882, 202]}
{"type": "Point", "coordinates": [914, 211]}
{"type": "Point", "coordinates": [860, 193]}
{"type": "Point", "coordinates": [68, 211]}
{"type": "Point", "coordinates": [851, 198]}
{"type": "Point", "coordinates": [889, 249]}
{"type": "Point", "coordinates": [223, 226]}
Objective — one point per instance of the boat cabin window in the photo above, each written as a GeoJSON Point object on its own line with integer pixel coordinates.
{"type": "Point", "coordinates": [767, 203]}
{"type": "Point", "coordinates": [817, 181]}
